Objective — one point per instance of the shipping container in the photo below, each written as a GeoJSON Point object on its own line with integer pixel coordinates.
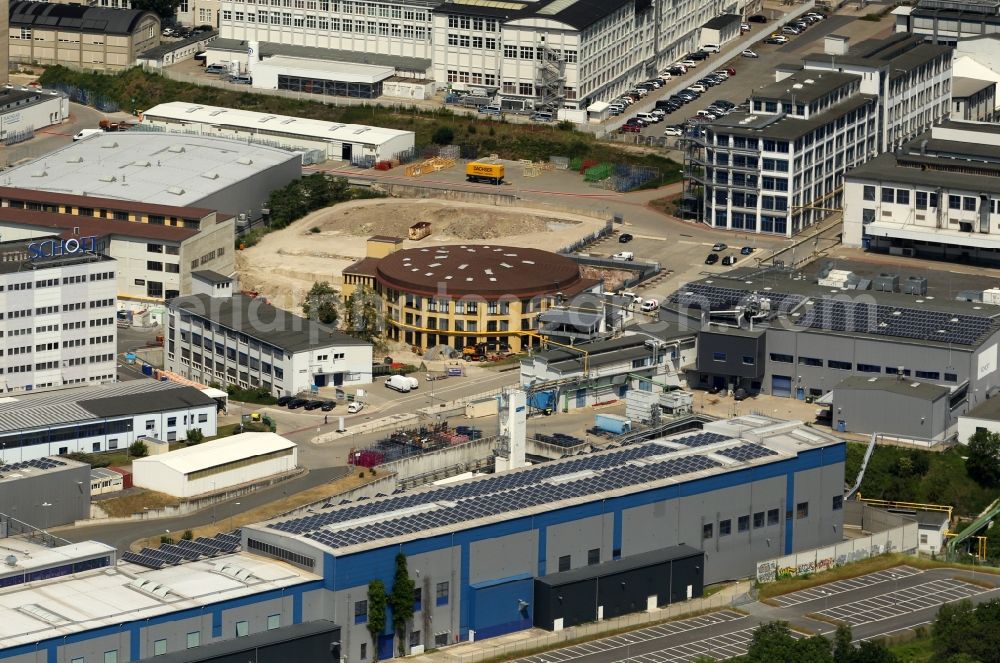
{"type": "Point", "coordinates": [542, 400]}
{"type": "Point", "coordinates": [484, 408]}
{"type": "Point", "coordinates": [491, 173]}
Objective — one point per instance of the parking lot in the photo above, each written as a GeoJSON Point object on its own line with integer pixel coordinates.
{"type": "Point", "coordinates": [841, 586]}
{"type": "Point", "coordinates": [628, 646]}
{"type": "Point", "coordinates": [903, 602]}
{"type": "Point", "coordinates": [751, 73]}
{"type": "Point", "coordinates": [718, 647]}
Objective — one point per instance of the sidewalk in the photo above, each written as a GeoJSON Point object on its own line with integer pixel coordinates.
{"type": "Point", "coordinates": [533, 640]}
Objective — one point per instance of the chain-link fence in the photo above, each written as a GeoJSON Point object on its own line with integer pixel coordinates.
{"type": "Point", "coordinates": [86, 97]}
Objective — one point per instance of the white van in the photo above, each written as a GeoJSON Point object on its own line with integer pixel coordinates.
{"type": "Point", "coordinates": [414, 382]}
{"type": "Point", "coordinates": [649, 118]}
{"type": "Point", "coordinates": [626, 256]}
{"type": "Point", "coordinates": [354, 407]}
{"type": "Point", "coordinates": [87, 133]}
{"type": "Point", "coordinates": [711, 48]}
{"type": "Point", "coordinates": [400, 383]}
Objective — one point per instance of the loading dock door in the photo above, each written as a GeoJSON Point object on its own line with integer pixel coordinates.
{"type": "Point", "coordinates": [781, 385]}
{"type": "Point", "coordinates": [345, 151]}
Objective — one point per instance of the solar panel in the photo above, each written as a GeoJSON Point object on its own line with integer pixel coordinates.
{"type": "Point", "coordinates": [709, 297]}
{"type": "Point", "coordinates": [143, 560]}
{"type": "Point", "coordinates": [745, 452]}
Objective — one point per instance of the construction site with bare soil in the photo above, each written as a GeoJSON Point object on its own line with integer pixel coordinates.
{"type": "Point", "coordinates": [286, 263]}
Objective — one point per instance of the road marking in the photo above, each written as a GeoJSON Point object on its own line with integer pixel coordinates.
{"type": "Point", "coordinates": [846, 585]}
{"type": "Point", "coordinates": [903, 602]}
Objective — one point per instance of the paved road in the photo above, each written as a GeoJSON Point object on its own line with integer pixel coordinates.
{"type": "Point", "coordinates": [54, 137]}
{"type": "Point", "coordinates": [876, 605]}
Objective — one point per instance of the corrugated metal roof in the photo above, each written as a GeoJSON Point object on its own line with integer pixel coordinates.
{"type": "Point", "coordinates": [215, 453]}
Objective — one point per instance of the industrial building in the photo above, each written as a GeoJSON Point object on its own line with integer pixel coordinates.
{"type": "Point", "coordinates": [463, 295]}
{"type": "Point", "coordinates": [130, 612]}
{"type": "Point", "coordinates": [103, 418]}
{"type": "Point", "coordinates": [26, 110]}
{"type": "Point", "coordinates": [42, 492]}
{"type": "Point", "coordinates": [216, 336]}
{"type": "Point", "coordinates": [58, 323]}
{"type": "Point", "coordinates": [604, 370]}
{"type": "Point", "coordinates": [737, 491]}
{"type": "Point", "coordinates": [801, 335]}
{"type": "Point", "coordinates": [778, 167]}
{"type": "Point", "coordinates": [985, 417]}
{"type": "Point", "coordinates": [937, 197]}
{"type": "Point", "coordinates": [921, 411]}
{"type": "Point", "coordinates": [80, 36]}
{"type": "Point", "coordinates": [337, 141]}
{"type": "Point", "coordinates": [979, 58]}
{"type": "Point", "coordinates": [216, 465]}
{"type": "Point", "coordinates": [233, 177]}
{"type": "Point", "coordinates": [948, 22]}
{"type": "Point", "coordinates": [154, 260]}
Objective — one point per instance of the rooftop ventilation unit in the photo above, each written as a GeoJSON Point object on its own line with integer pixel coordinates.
{"type": "Point", "coordinates": [76, 159]}
{"type": "Point", "coordinates": [176, 149]}
{"type": "Point", "coordinates": [141, 164]}
{"type": "Point", "coordinates": [108, 178]}
{"type": "Point", "coordinates": [246, 161]}
{"type": "Point", "coordinates": [110, 146]}
{"type": "Point", "coordinates": [210, 175]}
{"type": "Point", "coordinates": [176, 190]}
{"type": "Point", "coordinates": [915, 285]}
{"type": "Point", "coordinates": [886, 282]}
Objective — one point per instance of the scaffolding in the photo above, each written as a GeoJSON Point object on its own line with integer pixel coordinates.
{"type": "Point", "coordinates": [692, 203]}
{"type": "Point", "coordinates": [551, 78]}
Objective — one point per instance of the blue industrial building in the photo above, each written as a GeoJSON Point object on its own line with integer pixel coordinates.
{"type": "Point", "coordinates": [706, 504]}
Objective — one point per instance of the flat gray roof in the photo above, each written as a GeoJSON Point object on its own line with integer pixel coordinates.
{"type": "Point", "coordinates": [210, 276]}
{"type": "Point", "coordinates": [784, 127]}
{"type": "Point", "coordinates": [80, 404]}
{"type": "Point", "coordinates": [962, 86]}
{"type": "Point", "coordinates": [638, 561]}
{"type": "Point", "coordinates": [148, 166]}
{"type": "Point", "coordinates": [884, 168]}
{"type": "Point", "coordinates": [258, 319]}
{"type": "Point", "coordinates": [814, 84]}
{"type": "Point", "coordinates": [900, 51]}
{"type": "Point", "coordinates": [988, 409]}
{"type": "Point", "coordinates": [905, 387]}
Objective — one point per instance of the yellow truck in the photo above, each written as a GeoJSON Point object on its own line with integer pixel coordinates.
{"type": "Point", "coordinates": [490, 173]}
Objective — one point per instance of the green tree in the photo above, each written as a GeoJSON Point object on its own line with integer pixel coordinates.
{"type": "Point", "coordinates": [772, 643]}
{"type": "Point", "coordinates": [443, 135]}
{"type": "Point", "coordinates": [983, 463]}
{"type": "Point", "coordinates": [401, 601]}
{"type": "Point", "coordinates": [162, 8]}
{"type": "Point", "coordinates": [194, 436]}
{"type": "Point", "coordinates": [377, 600]}
{"type": "Point", "coordinates": [321, 303]}
{"type": "Point", "coordinates": [138, 449]}
{"type": "Point", "coordinates": [873, 652]}
{"type": "Point", "coordinates": [363, 315]}
{"type": "Point", "coordinates": [954, 629]}
{"type": "Point", "coordinates": [843, 650]}
{"type": "Point", "coordinates": [188, 535]}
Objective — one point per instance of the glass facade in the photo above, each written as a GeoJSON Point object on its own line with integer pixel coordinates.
{"type": "Point", "coordinates": [330, 88]}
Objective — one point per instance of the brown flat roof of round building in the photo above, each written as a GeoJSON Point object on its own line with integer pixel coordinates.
{"type": "Point", "coordinates": [486, 270]}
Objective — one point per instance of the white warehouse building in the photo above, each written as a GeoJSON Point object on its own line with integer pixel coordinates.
{"type": "Point", "coordinates": [58, 301]}
{"type": "Point", "coordinates": [338, 141]}
{"type": "Point", "coordinates": [216, 173]}
{"type": "Point", "coordinates": [216, 465]}
{"type": "Point", "coordinates": [101, 418]}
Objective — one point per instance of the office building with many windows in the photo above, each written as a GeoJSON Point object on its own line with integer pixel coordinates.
{"type": "Point", "coordinates": [937, 197]}
{"type": "Point", "coordinates": [57, 314]}
{"type": "Point", "coordinates": [216, 336]}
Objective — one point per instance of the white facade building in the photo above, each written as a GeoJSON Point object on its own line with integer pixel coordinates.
{"type": "Point", "coordinates": [58, 303]}
{"type": "Point", "coordinates": [985, 416]}
{"type": "Point", "coordinates": [937, 197]}
{"type": "Point", "coordinates": [104, 418]}
{"type": "Point", "coordinates": [339, 141]}
{"type": "Point", "coordinates": [216, 465]}
{"type": "Point", "coordinates": [213, 336]}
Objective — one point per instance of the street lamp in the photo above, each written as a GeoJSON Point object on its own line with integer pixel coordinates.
{"type": "Point", "coordinates": [231, 514]}
{"type": "Point", "coordinates": [45, 508]}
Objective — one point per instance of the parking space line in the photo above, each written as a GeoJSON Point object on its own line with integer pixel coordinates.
{"type": "Point", "coordinates": [903, 602]}
{"type": "Point", "coordinates": [846, 585]}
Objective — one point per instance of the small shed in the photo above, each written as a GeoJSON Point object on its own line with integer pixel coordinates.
{"type": "Point", "coordinates": [419, 230]}
{"type": "Point", "coordinates": [216, 465]}
{"type": "Point", "coordinates": [721, 29]}
{"type": "Point", "coordinates": [895, 406]}
{"type": "Point", "coordinates": [105, 481]}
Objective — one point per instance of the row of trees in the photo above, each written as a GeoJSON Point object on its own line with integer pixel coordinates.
{"type": "Point", "coordinates": [773, 643]}
{"type": "Point", "coordinates": [399, 602]}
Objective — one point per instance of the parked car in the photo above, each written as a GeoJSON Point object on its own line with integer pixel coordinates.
{"type": "Point", "coordinates": [216, 68]}
{"type": "Point", "coordinates": [725, 103]}
{"type": "Point", "coordinates": [649, 305]}
{"type": "Point", "coordinates": [698, 55]}
{"type": "Point", "coordinates": [729, 260]}
{"type": "Point", "coordinates": [749, 54]}
{"type": "Point", "coordinates": [627, 256]}
{"type": "Point", "coordinates": [673, 131]}
{"type": "Point", "coordinates": [744, 27]}
{"type": "Point", "coordinates": [790, 30]}
{"type": "Point", "coordinates": [355, 407]}
{"type": "Point", "coordinates": [697, 87]}
{"type": "Point", "coordinates": [772, 40]}
{"type": "Point", "coordinates": [327, 406]}
{"type": "Point", "coordinates": [312, 405]}
{"type": "Point", "coordinates": [746, 250]}
{"type": "Point", "coordinates": [630, 128]}
{"type": "Point", "coordinates": [638, 121]}
{"type": "Point", "coordinates": [757, 18]}
{"type": "Point", "coordinates": [708, 115]}
{"type": "Point", "coordinates": [284, 400]}
{"type": "Point", "coordinates": [780, 37]}
{"type": "Point", "coordinates": [398, 383]}
{"type": "Point", "coordinates": [296, 403]}
{"type": "Point", "coordinates": [711, 258]}
{"type": "Point", "coordinates": [624, 238]}
{"type": "Point", "coordinates": [689, 63]}
{"type": "Point", "coordinates": [719, 246]}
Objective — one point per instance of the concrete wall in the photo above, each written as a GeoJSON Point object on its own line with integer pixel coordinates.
{"type": "Point", "coordinates": [967, 427]}
{"type": "Point", "coordinates": [250, 194]}
{"type": "Point", "coordinates": [462, 454]}
{"type": "Point", "coordinates": [213, 240]}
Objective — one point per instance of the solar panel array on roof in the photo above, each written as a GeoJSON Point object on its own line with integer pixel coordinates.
{"type": "Point", "coordinates": [143, 560]}
{"type": "Point", "coordinates": [519, 498]}
{"type": "Point", "coordinates": [849, 316]}
{"type": "Point", "coordinates": [38, 464]}
{"type": "Point", "coordinates": [745, 452]}
{"type": "Point", "coordinates": [700, 439]}
{"type": "Point", "coordinates": [702, 295]}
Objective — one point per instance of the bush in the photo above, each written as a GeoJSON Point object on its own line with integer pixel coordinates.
{"type": "Point", "coordinates": [259, 395]}
{"type": "Point", "coordinates": [164, 540]}
{"type": "Point", "coordinates": [314, 230]}
{"type": "Point", "coordinates": [188, 535]}
{"type": "Point", "coordinates": [138, 449]}
{"type": "Point", "coordinates": [195, 436]}
{"type": "Point", "coordinates": [443, 135]}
